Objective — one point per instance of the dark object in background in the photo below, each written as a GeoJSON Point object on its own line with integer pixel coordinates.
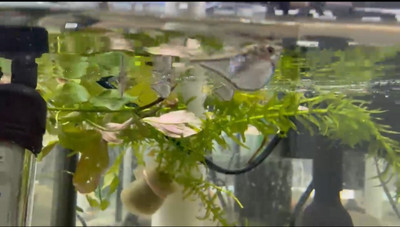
{"type": "Point", "coordinates": [64, 193]}
{"type": "Point", "coordinates": [324, 42]}
{"type": "Point", "coordinates": [22, 45]}
{"type": "Point", "coordinates": [326, 208]}
{"type": "Point", "coordinates": [284, 6]}
{"type": "Point", "coordinates": [330, 42]}
{"type": "Point", "coordinates": [106, 82]}
{"type": "Point", "coordinates": [85, 21]}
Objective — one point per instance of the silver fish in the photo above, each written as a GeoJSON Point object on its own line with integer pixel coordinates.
{"type": "Point", "coordinates": [248, 72]}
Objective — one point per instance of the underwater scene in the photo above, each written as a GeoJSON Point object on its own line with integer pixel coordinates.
{"type": "Point", "coordinates": [214, 124]}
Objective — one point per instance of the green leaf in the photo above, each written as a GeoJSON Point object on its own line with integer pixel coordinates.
{"type": "Point", "coordinates": [113, 171]}
{"type": "Point", "coordinates": [79, 209]}
{"type": "Point", "coordinates": [74, 66]}
{"type": "Point", "coordinates": [104, 204]}
{"type": "Point", "coordinates": [113, 186]}
{"type": "Point", "coordinates": [94, 73]}
{"type": "Point", "coordinates": [72, 93]}
{"type": "Point", "coordinates": [142, 89]}
{"type": "Point", "coordinates": [111, 99]}
{"type": "Point", "coordinates": [138, 151]}
{"type": "Point", "coordinates": [46, 150]}
{"type": "Point", "coordinates": [94, 157]}
{"type": "Point", "coordinates": [108, 178]}
{"type": "Point", "coordinates": [91, 166]}
{"type": "Point", "coordinates": [108, 60]}
{"type": "Point", "coordinates": [77, 139]}
{"type": "Point", "coordinates": [92, 201]}
{"type": "Point", "coordinates": [115, 167]}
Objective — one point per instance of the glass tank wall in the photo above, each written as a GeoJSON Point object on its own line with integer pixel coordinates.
{"type": "Point", "coordinates": [258, 114]}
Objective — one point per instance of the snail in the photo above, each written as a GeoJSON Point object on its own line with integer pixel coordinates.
{"type": "Point", "coordinates": [147, 194]}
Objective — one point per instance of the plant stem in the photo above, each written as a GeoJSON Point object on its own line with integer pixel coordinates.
{"type": "Point", "coordinates": [300, 112]}
{"type": "Point", "coordinates": [100, 127]}
{"type": "Point", "coordinates": [88, 110]}
{"type": "Point", "coordinates": [306, 100]}
{"type": "Point", "coordinates": [386, 190]}
{"type": "Point", "coordinates": [99, 193]}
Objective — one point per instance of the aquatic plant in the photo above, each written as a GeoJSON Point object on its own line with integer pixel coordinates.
{"type": "Point", "coordinates": [87, 118]}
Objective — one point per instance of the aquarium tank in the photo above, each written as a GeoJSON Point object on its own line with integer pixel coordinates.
{"type": "Point", "coordinates": [199, 113]}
